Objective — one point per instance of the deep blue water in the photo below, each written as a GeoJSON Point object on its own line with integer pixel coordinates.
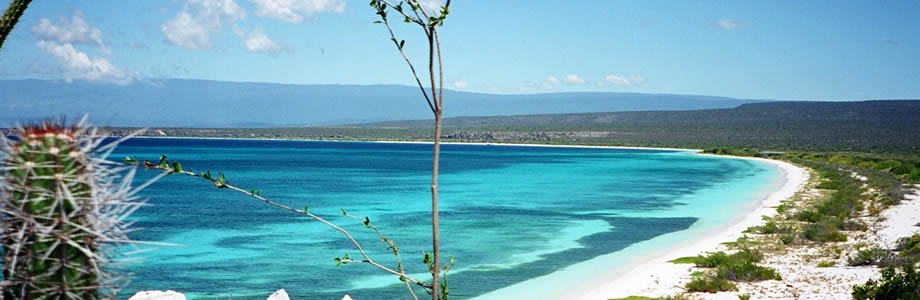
{"type": "Point", "coordinates": [508, 213]}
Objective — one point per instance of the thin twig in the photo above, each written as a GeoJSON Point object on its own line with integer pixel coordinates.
{"type": "Point", "coordinates": [411, 67]}
{"type": "Point", "coordinates": [413, 20]}
{"type": "Point", "coordinates": [391, 243]}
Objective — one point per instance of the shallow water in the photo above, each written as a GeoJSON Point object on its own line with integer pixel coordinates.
{"type": "Point", "coordinates": [508, 213]}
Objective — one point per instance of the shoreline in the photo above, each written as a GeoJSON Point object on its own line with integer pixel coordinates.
{"type": "Point", "coordinates": [427, 142]}
{"type": "Point", "coordinates": [652, 275]}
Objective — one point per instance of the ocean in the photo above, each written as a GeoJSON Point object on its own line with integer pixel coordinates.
{"type": "Point", "coordinates": [508, 213]}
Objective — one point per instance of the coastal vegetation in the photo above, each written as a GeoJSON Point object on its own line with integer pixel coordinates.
{"type": "Point", "coordinates": [726, 268]}
{"type": "Point", "coordinates": [893, 285]}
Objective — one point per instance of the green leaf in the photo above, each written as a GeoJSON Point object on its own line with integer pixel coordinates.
{"type": "Point", "coordinates": [306, 207]}
{"type": "Point", "coordinates": [378, 22]}
{"type": "Point", "coordinates": [367, 221]}
{"type": "Point", "coordinates": [131, 160]}
{"type": "Point", "coordinates": [401, 44]}
{"type": "Point", "coordinates": [343, 212]}
{"type": "Point", "coordinates": [177, 167]}
{"type": "Point", "coordinates": [162, 159]}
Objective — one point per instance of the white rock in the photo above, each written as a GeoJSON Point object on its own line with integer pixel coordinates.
{"type": "Point", "coordinates": [158, 295]}
{"type": "Point", "coordinates": [347, 297]}
{"type": "Point", "coordinates": [279, 295]}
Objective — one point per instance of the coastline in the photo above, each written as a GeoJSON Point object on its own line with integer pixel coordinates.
{"type": "Point", "coordinates": [423, 142]}
{"type": "Point", "coordinates": [656, 277]}
{"type": "Point", "coordinates": [652, 275]}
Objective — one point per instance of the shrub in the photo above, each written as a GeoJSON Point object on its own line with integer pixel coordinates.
{"type": "Point", "coordinates": [823, 232]}
{"type": "Point", "coordinates": [721, 258]}
{"type": "Point", "coordinates": [893, 285]}
{"type": "Point", "coordinates": [867, 257]}
{"type": "Point", "coordinates": [888, 164]}
{"type": "Point", "coordinates": [710, 285]}
{"type": "Point", "coordinates": [826, 264]}
{"type": "Point", "coordinates": [908, 245]}
{"type": "Point", "coordinates": [767, 228]}
{"type": "Point", "coordinates": [787, 239]}
{"type": "Point", "coordinates": [746, 271]}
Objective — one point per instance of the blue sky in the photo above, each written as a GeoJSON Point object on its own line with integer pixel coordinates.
{"type": "Point", "coordinates": [796, 50]}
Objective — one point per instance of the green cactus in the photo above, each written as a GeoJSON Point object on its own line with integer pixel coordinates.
{"type": "Point", "coordinates": [61, 201]}
{"type": "Point", "coordinates": [10, 17]}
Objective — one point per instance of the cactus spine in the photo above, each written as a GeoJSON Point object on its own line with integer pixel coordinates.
{"type": "Point", "coordinates": [61, 201]}
{"type": "Point", "coordinates": [10, 17]}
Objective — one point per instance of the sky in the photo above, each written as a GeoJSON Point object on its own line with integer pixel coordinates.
{"type": "Point", "coordinates": [787, 50]}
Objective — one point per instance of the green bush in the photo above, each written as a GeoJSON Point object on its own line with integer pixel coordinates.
{"type": "Point", "coordinates": [866, 257]}
{"type": "Point", "coordinates": [888, 164]}
{"type": "Point", "coordinates": [720, 258]}
{"type": "Point", "coordinates": [710, 285]}
{"type": "Point", "coordinates": [877, 256]}
{"type": "Point", "coordinates": [771, 227]}
{"type": "Point", "coordinates": [826, 264]}
{"type": "Point", "coordinates": [914, 175]}
{"type": "Point", "coordinates": [823, 232]}
{"type": "Point", "coordinates": [908, 246]}
{"type": "Point", "coordinates": [893, 285]}
{"type": "Point", "coordinates": [787, 239]}
{"type": "Point", "coordinates": [746, 271]}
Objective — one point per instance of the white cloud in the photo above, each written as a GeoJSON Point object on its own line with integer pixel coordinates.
{"type": "Point", "coordinates": [192, 27]}
{"type": "Point", "coordinates": [59, 39]}
{"type": "Point", "coordinates": [186, 31]}
{"type": "Point", "coordinates": [574, 79]}
{"type": "Point", "coordinates": [730, 24]}
{"type": "Point", "coordinates": [74, 30]}
{"type": "Point", "coordinates": [256, 41]}
{"type": "Point", "coordinates": [460, 84]}
{"type": "Point", "coordinates": [78, 65]}
{"type": "Point", "coordinates": [293, 11]}
{"type": "Point", "coordinates": [433, 7]}
{"type": "Point", "coordinates": [550, 82]}
{"type": "Point", "coordinates": [624, 81]}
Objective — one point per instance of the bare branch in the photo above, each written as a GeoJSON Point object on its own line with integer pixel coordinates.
{"type": "Point", "coordinates": [395, 250]}
{"type": "Point", "coordinates": [437, 42]}
{"type": "Point", "coordinates": [405, 57]}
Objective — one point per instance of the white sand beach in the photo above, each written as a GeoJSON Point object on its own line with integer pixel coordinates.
{"type": "Point", "coordinates": [655, 276]}
{"type": "Point", "coordinates": [802, 278]}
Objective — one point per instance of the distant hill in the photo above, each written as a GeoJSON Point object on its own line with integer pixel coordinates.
{"type": "Point", "coordinates": [891, 126]}
{"type": "Point", "coordinates": [893, 112]}
{"type": "Point", "coordinates": [201, 103]}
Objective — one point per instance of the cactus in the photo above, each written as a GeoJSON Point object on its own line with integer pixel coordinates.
{"type": "Point", "coordinates": [10, 17]}
{"type": "Point", "coordinates": [63, 207]}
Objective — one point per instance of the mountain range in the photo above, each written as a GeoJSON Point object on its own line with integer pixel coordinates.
{"type": "Point", "coordinates": [203, 103]}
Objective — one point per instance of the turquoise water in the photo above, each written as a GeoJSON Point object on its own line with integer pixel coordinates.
{"type": "Point", "coordinates": [508, 213]}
